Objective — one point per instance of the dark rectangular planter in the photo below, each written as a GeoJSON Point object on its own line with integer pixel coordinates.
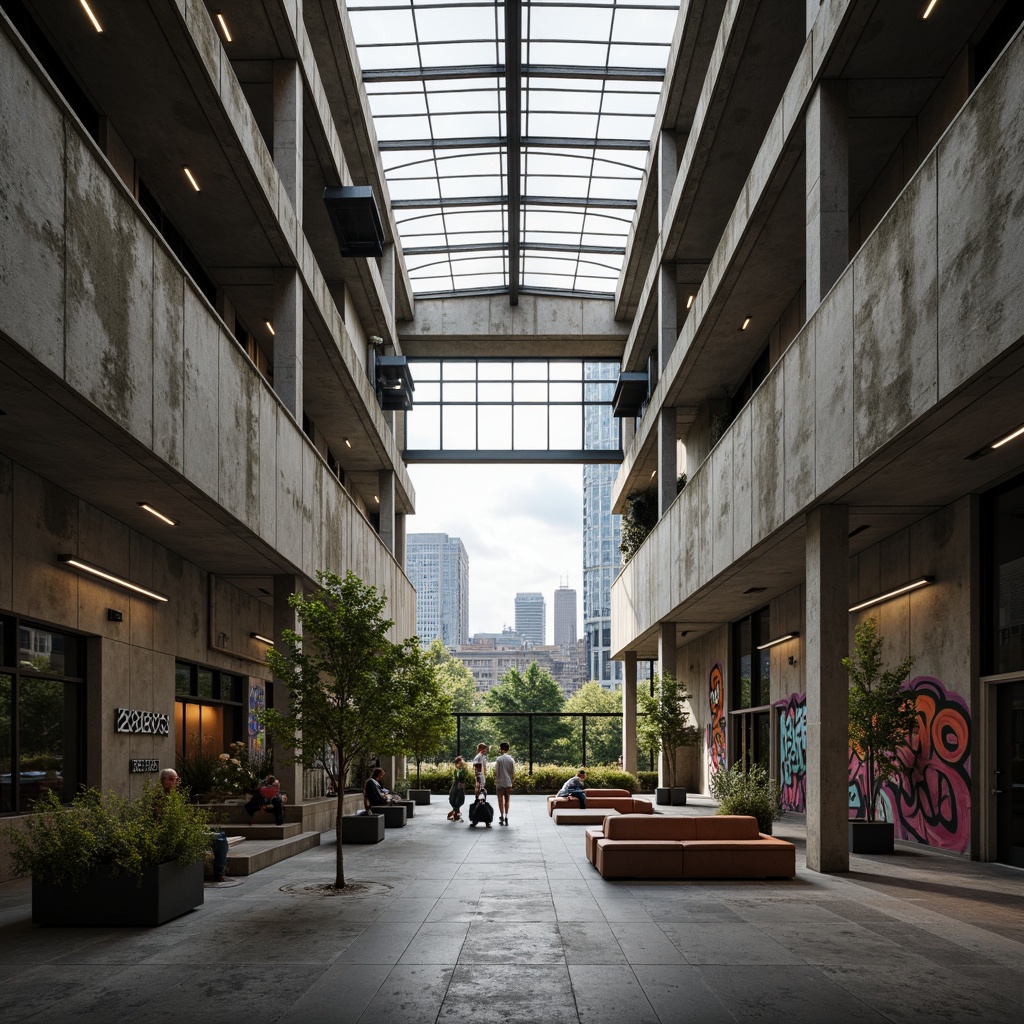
{"type": "Point", "coordinates": [362, 828]}
{"type": "Point", "coordinates": [108, 900]}
{"type": "Point", "coordinates": [871, 836]}
{"type": "Point", "coordinates": [420, 797]}
{"type": "Point", "coordinates": [662, 795]}
{"type": "Point", "coordinates": [678, 796]}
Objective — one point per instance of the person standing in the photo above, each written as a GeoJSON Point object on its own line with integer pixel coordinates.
{"type": "Point", "coordinates": [457, 794]}
{"type": "Point", "coordinates": [504, 773]}
{"type": "Point", "coordinates": [480, 768]}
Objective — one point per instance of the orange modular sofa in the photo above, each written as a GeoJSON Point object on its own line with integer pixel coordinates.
{"type": "Point", "coordinates": [620, 800]}
{"type": "Point", "coordinates": [662, 846]}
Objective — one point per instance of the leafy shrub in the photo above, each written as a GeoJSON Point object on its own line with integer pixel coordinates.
{"type": "Point", "coordinates": [750, 792]}
{"type": "Point", "coordinates": [241, 770]}
{"type": "Point", "coordinates": [640, 517]}
{"type": "Point", "coordinates": [648, 781]}
{"type": "Point", "coordinates": [197, 769]}
{"type": "Point", "coordinates": [62, 844]}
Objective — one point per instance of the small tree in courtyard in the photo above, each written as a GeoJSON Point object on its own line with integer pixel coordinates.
{"type": "Point", "coordinates": [882, 714]}
{"type": "Point", "coordinates": [427, 722]}
{"type": "Point", "coordinates": [348, 683]}
{"type": "Point", "coordinates": [664, 721]}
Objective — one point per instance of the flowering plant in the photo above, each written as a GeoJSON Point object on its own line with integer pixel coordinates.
{"type": "Point", "coordinates": [241, 770]}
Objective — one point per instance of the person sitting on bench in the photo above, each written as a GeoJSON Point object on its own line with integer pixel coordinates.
{"type": "Point", "coordinates": [268, 793]}
{"type": "Point", "coordinates": [575, 787]}
{"type": "Point", "coordinates": [374, 793]}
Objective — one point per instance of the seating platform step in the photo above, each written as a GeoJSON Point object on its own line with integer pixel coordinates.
{"type": "Point", "coordinates": [582, 815]}
{"type": "Point", "coordinates": [285, 831]}
{"type": "Point", "coordinates": [256, 854]}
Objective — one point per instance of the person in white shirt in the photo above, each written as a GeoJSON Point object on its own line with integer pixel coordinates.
{"type": "Point", "coordinates": [480, 768]}
{"type": "Point", "coordinates": [504, 772]}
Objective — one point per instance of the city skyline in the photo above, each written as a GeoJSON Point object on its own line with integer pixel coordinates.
{"type": "Point", "coordinates": [502, 507]}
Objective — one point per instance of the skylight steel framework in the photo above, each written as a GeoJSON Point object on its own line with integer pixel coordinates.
{"type": "Point", "coordinates": [514, 136]}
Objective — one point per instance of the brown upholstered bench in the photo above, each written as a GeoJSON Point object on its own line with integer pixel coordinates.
{"type": "Point", "coordinates": [717, 846]}
{"type": "Point", "coordinates": [620, 800]}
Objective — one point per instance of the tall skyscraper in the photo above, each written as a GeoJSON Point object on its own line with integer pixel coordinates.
{"type": "Point", "coordinates": [565, 616]}
{"type": "Point", "coordinates": [601, 534]}
{"type": "Point", "coordinates": [531, 615]}
{"type": "Point", "coordinates": [438, 567]}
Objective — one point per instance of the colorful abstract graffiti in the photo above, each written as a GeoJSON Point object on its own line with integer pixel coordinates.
{"type": "Point", "coordinates": [714, 733]}
{"type": "Point", "coordinates": [793, 751]}
{"type": "Point", "coordinates": [931, 802]}
{"type": "Point", "coordinates": [257, 734]}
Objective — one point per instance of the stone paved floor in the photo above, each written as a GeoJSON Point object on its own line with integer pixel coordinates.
{"type": "Point", "coordinates": [513, 925]}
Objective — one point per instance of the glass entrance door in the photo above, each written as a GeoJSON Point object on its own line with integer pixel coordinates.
{"type": "Point", "coordinates": [1010, 773]}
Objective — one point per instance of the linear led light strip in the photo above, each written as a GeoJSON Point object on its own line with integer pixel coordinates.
{"type": "Point", "coordinates": [778, 640]}
{"type": "Point", "coordinates": [120, 581]}
{"type": "Point", "coordinates": [262, 639]}
{"type": "Point", "coordinates": [923, 581]}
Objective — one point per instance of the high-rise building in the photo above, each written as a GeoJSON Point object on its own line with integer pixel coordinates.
{"type": "Point", "coordinates": [601, 534]}
{"type": "Point", "coordinates": [565, 616]}
{"type": "Point", "coordinates": [438, 567]}
{"type": "Point", "coordinates": [531, 615]}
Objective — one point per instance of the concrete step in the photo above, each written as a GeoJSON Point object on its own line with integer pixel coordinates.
{"type": "Point", "coordinates": [256, 854]}
{"type": "Point", "coordinates": [261, 831]}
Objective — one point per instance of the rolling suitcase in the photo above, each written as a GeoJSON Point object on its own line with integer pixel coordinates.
{"type": "Point", "coordinates": [481, 812]}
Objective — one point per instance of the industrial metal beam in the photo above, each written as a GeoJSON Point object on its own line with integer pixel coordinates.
{"type": "Point", "coordinates": [427, 250]}
{"type": "Point", "coordinates": [574, 201]}
{"type": "Point", "coordinates": [514, 138]}
{"type": "Point", "coordinates": [580, 456]}
{"type": "Point", "coordinates": [616, 74]}
{"type": "Point", "coordinates": [529, 142]}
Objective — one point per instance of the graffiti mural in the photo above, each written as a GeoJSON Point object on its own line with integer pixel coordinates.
{"type": "Point", "coordinates": [714, 733]}
{"type": "Point", "coordinates": [793, 751]}
{"type": "Point", "coordinates": [257, 734]}
{"type": "Point", "coordinates": [931, 802]}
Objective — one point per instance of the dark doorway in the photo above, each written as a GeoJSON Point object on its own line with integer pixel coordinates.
{"type": "Point", "coordinates": [1010, 774]}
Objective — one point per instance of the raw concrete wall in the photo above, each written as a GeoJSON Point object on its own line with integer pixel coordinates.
{"type": "Point", "coordinates": [931, 299]}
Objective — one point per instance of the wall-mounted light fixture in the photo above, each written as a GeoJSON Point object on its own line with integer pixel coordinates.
{"type": "Point", "coordinates": [745, 324]}
{"type": "Point", "coordinates": [270, 327]}
{"type": "Point", "coordinates": [92, 17]}
{"type": "Point", "coordinates": [928, 10]}
{"type": "Point", "coordinates": [689, 301]}
{"type": "Point", "coordinates": [922, 581]}
{"type": "Point", "coordinates": [154, 512]}
{"type": "Point", "coordinates": [376, 499]}
{"type": "Point", "coordinates": [778, 640]}
{"type": "Point", "coordinates": [654, 473]}
{"type": "Point", "coordinates": [191, 178]}
{"type": "Point", "coordinates": [262, 639]}
{"type": "Point", "coordinates": [1009, 437]}
{"type": "Point", "coordinates": [224, 28]}
{"type": "Point", "coordinates": [104, 574]}
{"type": "Point", "coordinates": [348, 443]}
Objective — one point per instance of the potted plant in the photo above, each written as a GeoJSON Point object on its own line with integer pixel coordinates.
{"type": "Point", "coordinates": [108, 860]}
{"type": "Point", "coordinates": [752, 791]}
{"type": "Point", "coordinates": [882, 716]}
{"type": "Point", "coordinates": [663, 720]}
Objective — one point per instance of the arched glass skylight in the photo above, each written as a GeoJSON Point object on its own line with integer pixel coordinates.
{"type": "Point", "coordinates": [513, 168]}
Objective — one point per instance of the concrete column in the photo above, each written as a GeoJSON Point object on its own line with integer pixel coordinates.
{"type": "Point", "coordinates": [285, 618]}
{"type": "Point", "coordinates": [668, 166]}
{"type": "Point", "coordinates": [387, 274]}
{"type": "Point", "coordinates": [386, 493]}
{"type": "Point", "coordinates": [629, 713]}
{"type": "Point", "coordinates": [828, 189]}
{"type": "Point", "coordinates": [288, 340]}
{"type": "Point", "coordinates": [668, 288]}
{"type": "Point", "coordinates": [400, 536]}
{"type": "Point", "coordinates": [667, 468]}
{"type": "Point", "coordinates": [628, 431]}
{"type": "Point", "coordinates": [288, 129]}
{"type": "Point", "coordinates": [827, 624]}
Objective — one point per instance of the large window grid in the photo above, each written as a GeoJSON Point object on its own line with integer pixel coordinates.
{"type": "Point", "coordinates": [514, 166]}
{"type": "Point", "coordinates": [42, 713]}
{"type": "Point", "coordinates": [507, 411]}
{"type": "Point", "coordinates": [750, 713]}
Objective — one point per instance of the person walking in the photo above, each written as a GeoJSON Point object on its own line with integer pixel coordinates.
{"type": "Point", "coordinates": [504, 773]}
{"type": "Point", "coordinates": [457, 794]}
{"type": "Point", "coordinates": [480, 768]}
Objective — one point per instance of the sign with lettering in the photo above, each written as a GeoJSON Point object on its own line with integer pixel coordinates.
{"type": "Point", "coordinates": [150, 723]}
{"type": "Point", "coordinates": [143, 764]}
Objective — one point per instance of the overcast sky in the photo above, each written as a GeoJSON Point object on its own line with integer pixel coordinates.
{"type": "Point", "coordinates": [522, 527]}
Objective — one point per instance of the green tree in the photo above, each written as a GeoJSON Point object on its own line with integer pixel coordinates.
{"type": "Point", "coordinates": [519, 692]}
{"type": "Point", "coordinates": [604, 735]}
{"type": "Point", "coordinates": [459, 684]}
{"type": "Point", "coordinates": [348, 683]}
{"type": "Point", "coordinates": [882, 714]}
{"type": "Point", "coordinates": [427, 721]}
{"type": "Point", "coordinates": [666, 721]}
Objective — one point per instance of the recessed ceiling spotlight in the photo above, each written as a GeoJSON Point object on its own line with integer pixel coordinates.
{"type": "Point", "coordinates": [689, 301]}
{"type": "Point", "coordinates": [92, 17]}
{"type": "Point", "coordinates": [153, 512]}
{"type": "Point", "coordinates": [270, 327]}
{"type": "Point", "coordinates": [928, 10]}
{"type": "Point", "coordinates": [654, 473]}
{"type": "Point", "coordinates": [224, 28]}
{"type": "Point", "coordinates": [376, 499]}
{"type": "Point", "coordinates": [348, 443]}
{"type": "Point", "coordinates": [191, 178]}
{"type": "Point", "coordinates": [745, 324]}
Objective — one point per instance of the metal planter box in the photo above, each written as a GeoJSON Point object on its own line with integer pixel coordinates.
{"type": "Point", "coordinates": [167, 891]}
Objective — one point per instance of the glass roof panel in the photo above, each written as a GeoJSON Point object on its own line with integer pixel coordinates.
{"type": "Point", "coordinates": [429, 42]}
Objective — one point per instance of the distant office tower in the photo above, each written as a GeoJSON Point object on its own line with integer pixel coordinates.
{"type": "Point", "coordinates": [438, 567]}
{"type": "Point", "coordinates": [531, 613]}
{"type": "Point", "coordinates": [565, 616]}
{"type": "Point", "coordinates": [601, 534]}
